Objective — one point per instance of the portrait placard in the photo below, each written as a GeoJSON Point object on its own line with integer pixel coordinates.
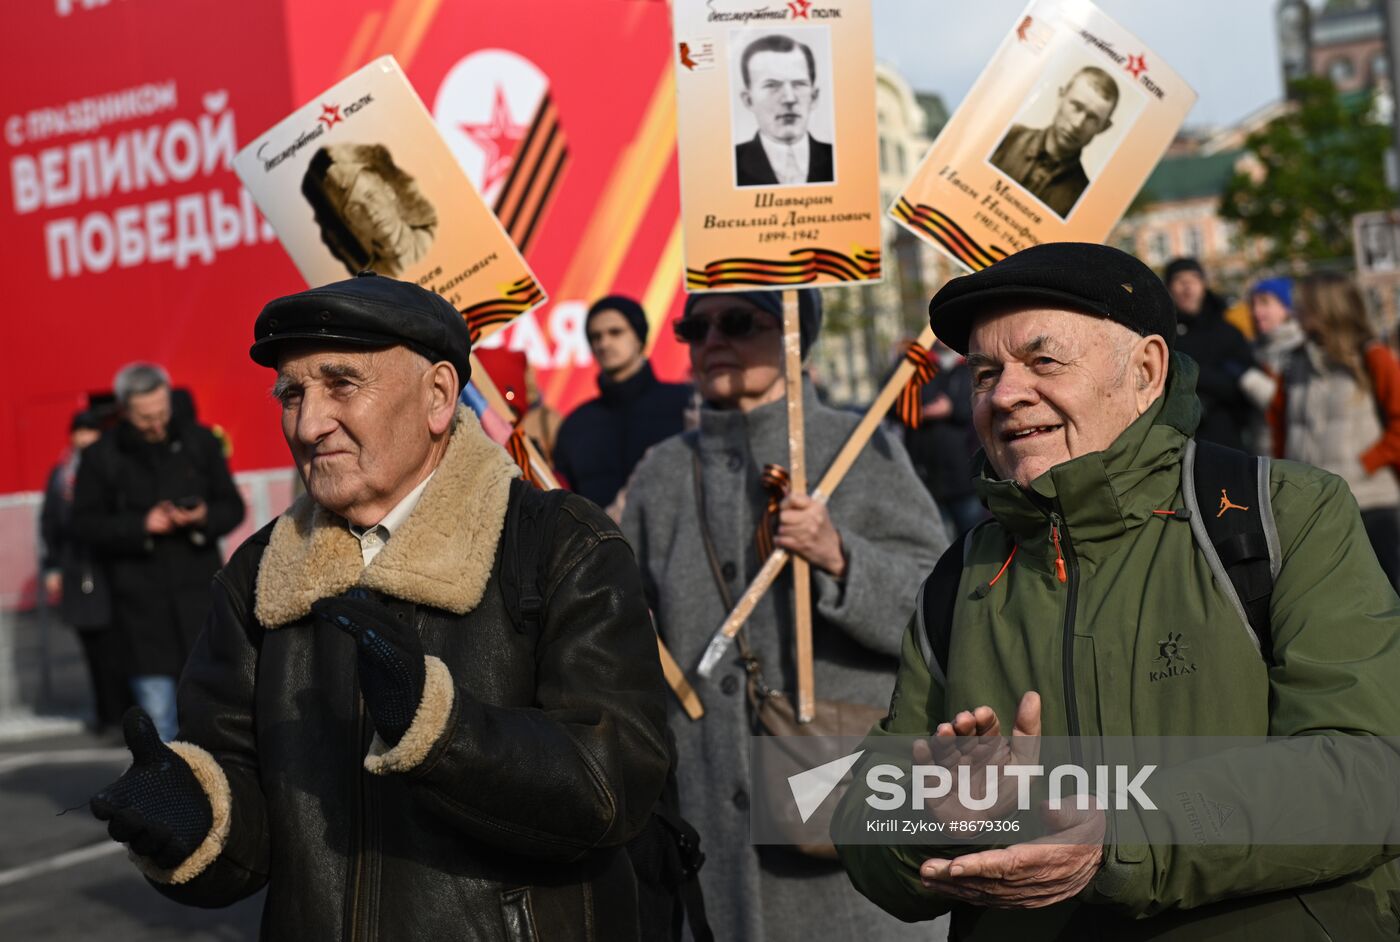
{"type": "Point", "coordinates": [1053, 142]}
{"type": "Point", "coordinates": [359, 178]}
{"type": "Point", "coordinates": [778, 162]}
{"type": "Point", "coordinates": [1376, 237]}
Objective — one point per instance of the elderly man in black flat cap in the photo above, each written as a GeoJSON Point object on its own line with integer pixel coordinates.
{"type": "Point", "coordinates": [377, 723]}
{"type": "Point", "coordinates": [1135, 584]}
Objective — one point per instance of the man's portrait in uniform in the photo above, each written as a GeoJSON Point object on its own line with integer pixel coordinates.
{"type": "Point", "coordinates": [1046, 160]}
{"type": "Point", "coordinates": [371, 213]}
{"type": "Point", "coordinates": [780, 87]}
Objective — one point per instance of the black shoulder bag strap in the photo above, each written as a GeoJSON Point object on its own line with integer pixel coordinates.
{"type": "Point", "coordinates": [1232, 520]}
{"type": "Point", "coordinates": [752, 665]}
{"type": "Point", "coordinates": [529, 528]}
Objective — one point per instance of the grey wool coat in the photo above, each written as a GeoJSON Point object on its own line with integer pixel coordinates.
{"type": "Point", "coordinates": [892, 535]}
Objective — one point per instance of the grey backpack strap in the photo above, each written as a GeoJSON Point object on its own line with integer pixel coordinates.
{"type": "Point", "coordinates": [1232, 520]}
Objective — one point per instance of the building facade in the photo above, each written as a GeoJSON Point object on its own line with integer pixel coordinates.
{"type": "Point", "coordinates": [1347, 45]}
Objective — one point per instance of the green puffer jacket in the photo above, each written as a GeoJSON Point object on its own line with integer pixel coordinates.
{"type": "Point", "coordinates": [1133, 577]}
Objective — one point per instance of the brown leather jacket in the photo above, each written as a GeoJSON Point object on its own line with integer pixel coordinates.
{"type": "Point", "coordinates": [531, 760]}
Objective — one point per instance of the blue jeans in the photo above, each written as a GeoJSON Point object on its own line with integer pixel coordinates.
{"type": "Point", "coordinates": [155, 693]}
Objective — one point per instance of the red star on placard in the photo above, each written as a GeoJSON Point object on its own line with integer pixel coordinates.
{"type": "Point", "coordinates": [799, 9]}
{"type": "Point", "coordinates": [1137, 65]}
{"type": "Point", "coordinates": [331, 115]}
{"type": "Point", "coordinates": [497, 138]}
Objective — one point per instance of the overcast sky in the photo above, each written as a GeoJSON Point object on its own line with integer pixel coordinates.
{"type": "Point", "coordinates": [1226, 49]}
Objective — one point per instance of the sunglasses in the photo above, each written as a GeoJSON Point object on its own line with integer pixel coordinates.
{"type": "Point", "coordinates": [734, 324]}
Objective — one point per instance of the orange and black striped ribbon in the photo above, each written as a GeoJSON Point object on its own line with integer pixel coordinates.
{"type": "Point", "coordinates": [536, 169]}
{"type": "Point", "coordinates": [910, 404]}
{"type": "Point", "coordinates": [776, 482]}
{"type": "Point", "coordinates": [518, 297]}
{"type": "Point", "coordinates": [803, 266]}
{"type": "Point", "coordinates": [515, 446]}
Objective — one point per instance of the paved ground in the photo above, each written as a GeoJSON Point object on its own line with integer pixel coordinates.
{"type": "Point", "coordinates": [60, 877]}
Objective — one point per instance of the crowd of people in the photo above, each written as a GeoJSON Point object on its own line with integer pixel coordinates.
{"type": "Point", "coordinates": [425, 702]}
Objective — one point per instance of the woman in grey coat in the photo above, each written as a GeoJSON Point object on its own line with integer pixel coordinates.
{"type": "Point", "coordinates": [869, 548]}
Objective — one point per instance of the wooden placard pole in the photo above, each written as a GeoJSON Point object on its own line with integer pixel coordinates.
{"type": "Point", "coordinates": [689, 699]}
{"type": "Point", "coordinates": [772, 566]}
{"type": "Point", "coordinates": [675, 677]}
{"type": "Point", "coordinates": [797, 485]}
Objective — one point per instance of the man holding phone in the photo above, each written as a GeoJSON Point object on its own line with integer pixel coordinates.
{"type": "Point", "coordinates": [152, 498]}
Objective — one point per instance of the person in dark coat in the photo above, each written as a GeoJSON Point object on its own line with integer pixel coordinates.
{"type": "Point", "coordinates": [1223, 354]}
{"type": "Point", "coordinates": [943, 446]}
{"type": "Point", "coordinates": [80, 582]}
{"type": "Point", "coordinates": [152, 498]}
{"type": "Point", "coordinates": [602, 440]}
{"type": "Point", "coordinates": [365, 728]}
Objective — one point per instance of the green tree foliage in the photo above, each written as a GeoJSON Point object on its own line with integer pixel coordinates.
{"type": "Point", "coordinates": [1315, 167]}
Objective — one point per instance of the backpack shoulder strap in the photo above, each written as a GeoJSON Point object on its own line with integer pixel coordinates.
{"type": "Point", "coordinates": [685, 878]}
{"type": "Point", "coordinates": [525, 538]}
{"type": "Point", "coordinates": [935, 606]}
{"type": "Point", "coordinates": [1232, 519]}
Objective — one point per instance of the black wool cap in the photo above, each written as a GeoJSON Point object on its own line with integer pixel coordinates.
{"type": "Point", "coordinates": [86, 419]}
{"type": "Point", "coordinates": [1178, 265]}
{"type": "Point", "coordinates": [1078, 276]}
{"type": "Point", "coordinates": [630, 310]}
{"type": "Point", "coordinates": [370, 311]}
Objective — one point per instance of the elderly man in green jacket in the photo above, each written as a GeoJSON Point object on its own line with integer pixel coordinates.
{"type": "Point", "coordinates": [1059, 619]}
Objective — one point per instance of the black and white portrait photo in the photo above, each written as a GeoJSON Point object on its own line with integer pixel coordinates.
{"type": "Point", "coordinates": [782, 120]}
{"type": "Point", "coordinates": [371, 213]}
{"type": "Point", "coordinates": [1068, 129]}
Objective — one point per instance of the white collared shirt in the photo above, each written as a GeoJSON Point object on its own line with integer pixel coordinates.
{"type": "Point", "coordinates": [781, 156]}
{"type": "Point", "coordinates": [372, 539]}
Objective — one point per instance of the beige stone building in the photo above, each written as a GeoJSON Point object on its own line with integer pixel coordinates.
{"type": "Point", "coordinates": [1178, 210]}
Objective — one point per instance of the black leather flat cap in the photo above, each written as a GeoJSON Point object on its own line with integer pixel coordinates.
{"type": "Point", "coordinates": [370, 311]}
{"type": "Point", "coordinates": [1078, 276]}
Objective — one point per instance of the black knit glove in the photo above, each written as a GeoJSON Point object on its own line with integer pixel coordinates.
{"type": "Point", "coordinates": [390, 657]}
{"type": "Point", "coordinates": [157, 807]}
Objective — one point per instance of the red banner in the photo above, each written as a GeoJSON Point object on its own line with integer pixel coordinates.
{"type": "Point", "coordinates": [122, 218]}
{"type": "Point", "coordinates": [134, 241]}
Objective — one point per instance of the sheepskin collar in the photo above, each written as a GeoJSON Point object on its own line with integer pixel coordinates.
{"type": "Point", "coordinates": [441, 556]}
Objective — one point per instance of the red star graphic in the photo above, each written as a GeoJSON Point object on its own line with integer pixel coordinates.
{"type": "Point", "coordinates": [799, 9]}
{"type": "Point", "coordinates": [1136, 65]}
{"type": "Point", "coordinates": [331, 115]}
{"type": "Point", "coordinates": [498, 139]}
